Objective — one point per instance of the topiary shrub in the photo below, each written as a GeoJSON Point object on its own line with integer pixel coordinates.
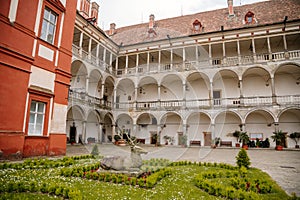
{"type": "Point", "coordinates": [95, 150]}
{"type": "Point", "coordinates": [242, 159]}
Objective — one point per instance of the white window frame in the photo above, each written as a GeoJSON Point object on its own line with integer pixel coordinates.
{"type": "Point", "coordinates": [48, 22]}
{"type": "Point", "coordinates": [36, 131]}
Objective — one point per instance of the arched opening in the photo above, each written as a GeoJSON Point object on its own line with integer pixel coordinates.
{"type": "Point", "coordinates": [225, 124]}
{"type": "Point", "coordinates": [198, 124]}
{"type": "Point", "coordinates": [289, 122]}
{"type": "Point", "coordinates": [226, 88]}
{"type": "Point", "coordinates": [197, 90]}
{"type": "Point", "coordinates": [92, 128]}
{"type": "Point", "coordinates": [171, 125]}
{"type": "Point", "coordinates": [287, 84]}
{"type": "Point", "coordinates": [146, 126]}
{"type": "Point", "coordinates": [260, 124]}
{"type": "Point", "coordinates": [74, 126]}
{"type": "Point", "coordinates": [107, 128]}
{"type": "Point", "coordinates": [125, 88]}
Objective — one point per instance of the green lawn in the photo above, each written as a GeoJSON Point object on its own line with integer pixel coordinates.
{"type": "Point", "coordinates": [182, 183]}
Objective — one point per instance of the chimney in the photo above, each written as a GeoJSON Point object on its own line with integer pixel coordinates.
{"type": "Point", "coordinates": [112, 29]}
{"type": "Point", "coordinates": [85, 8]}
{"type": "Point", "coordinates": [94, 12]}
{"type": "Point", "coordinates": [230, 7]}
{"type": "Point", "coordinates": [151, 21]}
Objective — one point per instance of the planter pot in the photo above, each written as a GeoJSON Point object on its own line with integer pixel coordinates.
{"type": "Point", "coordinates": [279, 148]}
{"type": "Point", "coordinates": [237, 145]}
{"type": "Point", "coordinates": [213, 146]}
{"type": "Point", "coordinates": [245, 147]}
{"type": "Point", "coordinates": [121, 142]}
{"type": "Point", "coordinates": [297, 146]}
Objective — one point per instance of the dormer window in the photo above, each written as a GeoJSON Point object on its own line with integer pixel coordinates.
{"type": "Point", "coordinates": [250, 18]}
{"type": "Point", "coordinates": [197, 26]}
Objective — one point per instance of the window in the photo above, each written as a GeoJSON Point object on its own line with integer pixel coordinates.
{"type": "Point", "coordinates": [249, 18]}
{"type": "Point", "coordinates": [49, 25]}
{"type": "Point", "coordinates": [197, 26]}
{"type": "Point", "coordinates": [36, 119]}
{"type": "Point", "coordinates": [217, 97]}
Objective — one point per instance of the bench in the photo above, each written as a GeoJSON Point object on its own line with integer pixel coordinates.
{"type": "Point", "coordinates": [140, 141]}
{"type": "Point", "coordinates": [195, 142]}
{"type": "Point", "coordinates": [226, 143]}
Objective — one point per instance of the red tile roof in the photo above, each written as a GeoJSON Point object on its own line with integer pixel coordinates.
{"type": "Point", "coordinates": [266, 12]}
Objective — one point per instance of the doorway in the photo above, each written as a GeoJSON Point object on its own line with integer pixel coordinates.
{"type": "Point", "coordinates": [73, 133]}
{"type": "Point", "coordinates": [207, 138]}
{"type": "Point", "coordinates": [153, 139]}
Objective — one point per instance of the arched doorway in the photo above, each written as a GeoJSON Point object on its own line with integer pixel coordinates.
{"type": "Point", "coordinates": [171, 125]}
{"type": "Point", "coordinates": [75, 118]}
{"type": "Point", "coordinates": [146, 127]}
{"type": "Point", "coordinates": [199, 125]}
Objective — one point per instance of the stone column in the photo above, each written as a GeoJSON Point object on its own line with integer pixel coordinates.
{"type": "Point", "coordinates": [239, 51]}
{"type": "Point", "coordinates": [126, 65]}
{"type": "Point", "coordinates": [84, 132]}
{"type": "Point", "coordinates": [274, 100]}
{"type": "Point", "coordinates": [159, 60]}
{"type": "Point", "coordinates": [253, 50]}
{"type": "Point", "coordinates": [100, 133]}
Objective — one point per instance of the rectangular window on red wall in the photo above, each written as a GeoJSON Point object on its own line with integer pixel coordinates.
{"type": "Point", "coordinates": [38, 111]}
{"type": "Point", "coordinates": [36, 118]}
{"type": "Point", "coordinates": [49, 25]}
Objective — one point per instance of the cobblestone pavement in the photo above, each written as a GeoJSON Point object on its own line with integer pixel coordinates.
{"type": "Point", "coordinates": [282, 166]}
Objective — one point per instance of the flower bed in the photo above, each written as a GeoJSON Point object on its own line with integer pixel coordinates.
{"type": "Point", "coordinates": [176, 180]}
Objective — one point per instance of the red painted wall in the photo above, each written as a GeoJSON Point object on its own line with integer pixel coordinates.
{"type": "Point", "coordinates": [57, 144]}
{"type": "Point", "coordinates": [13, 98]}
{"type": "Point", "coordinates": [35, 146]}
{"type": "Point", "coordinates": [11, 143]}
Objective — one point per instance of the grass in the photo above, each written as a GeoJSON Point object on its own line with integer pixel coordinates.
{"type": "Point", "coordinates": [179, 185]}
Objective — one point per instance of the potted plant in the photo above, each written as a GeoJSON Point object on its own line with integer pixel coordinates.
{"type": "Point", "coordinates": [167, 139]}
{"type": "Point", "coordinates": [117, 138]}
{"type": "Point", "coordinates": [216, 142]}
{"type": "Point", "coordinates": [236, 134]}
{"type": "Point", "coordinates": [296, 137]}
{"type": "Point", "coordinates": [278, 138]}
{"type": "Point", "coordinates": [244, 138]}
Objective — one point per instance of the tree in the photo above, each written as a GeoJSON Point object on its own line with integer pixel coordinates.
{"type": "Point", "coordinates": [242, 159]}
{"type": "Point", "coordinates": [295, 136]}
{"type": "Point", "coordinates": [95, 151]}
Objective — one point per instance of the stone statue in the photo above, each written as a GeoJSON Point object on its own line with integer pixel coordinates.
{"type": "Point", "coordinates": [118, 163]}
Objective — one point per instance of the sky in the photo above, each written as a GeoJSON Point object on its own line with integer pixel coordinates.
{"type": "Point", "coordinates": [129, 12]}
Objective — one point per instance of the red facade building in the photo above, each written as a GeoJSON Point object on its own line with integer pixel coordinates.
{"type": "Point", "coordinates": [35, 58]}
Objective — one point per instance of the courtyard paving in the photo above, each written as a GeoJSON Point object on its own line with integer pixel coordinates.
{"type": "Point", "coordinates": [282, 166]}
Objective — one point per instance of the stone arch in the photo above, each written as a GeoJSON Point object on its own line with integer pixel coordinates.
{"type": "Point", "coordinates": [197, 86]}
{"type": "Point", "coordinates": [171, 125]}
{"type": "Point", "coordinates": [258, 78]}
{"type": "Point", "coordinates": [74, 123]}
{"type": "Point", "coordinates": [79, 75]}
{"type": "Point", "coordinates": [124, 122]}
{"type": "Point", "coordinates": [147, 89]}
{"type": "Point", "coordinates": [260, 123]}
{"type": "Point", "coordinates": [107, 128]}
{"type": "Point", "coordinates": [226, 122]}
{"type": "Point", "coordinates": [227, 82]}
{"type": "Point", "coordinates": [125, 89]}
{"type": "Point", "coordinates": [95, 83]}
{"type": "Point", "coordinates": [146, 125]}
{"type": "Point", "coordinates": [198, 124]}
{"type": "Point", "coordinates": [287, 82]}
{"type": "Point", "coordinates": [289, 122]}
{"type": "Point", "coordinates": [171, 87]}
{"type": "Point", "coordinates": [92, 127]}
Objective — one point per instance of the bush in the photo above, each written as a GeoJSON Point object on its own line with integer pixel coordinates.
{"type": "Point", "coordinates": [95, 151]}
{"type": "Point", "coordinates": [242, 159]}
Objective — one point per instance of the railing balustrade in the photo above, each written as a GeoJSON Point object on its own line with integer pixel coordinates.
{"type": "Point", "coordinates": [190, 65]}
